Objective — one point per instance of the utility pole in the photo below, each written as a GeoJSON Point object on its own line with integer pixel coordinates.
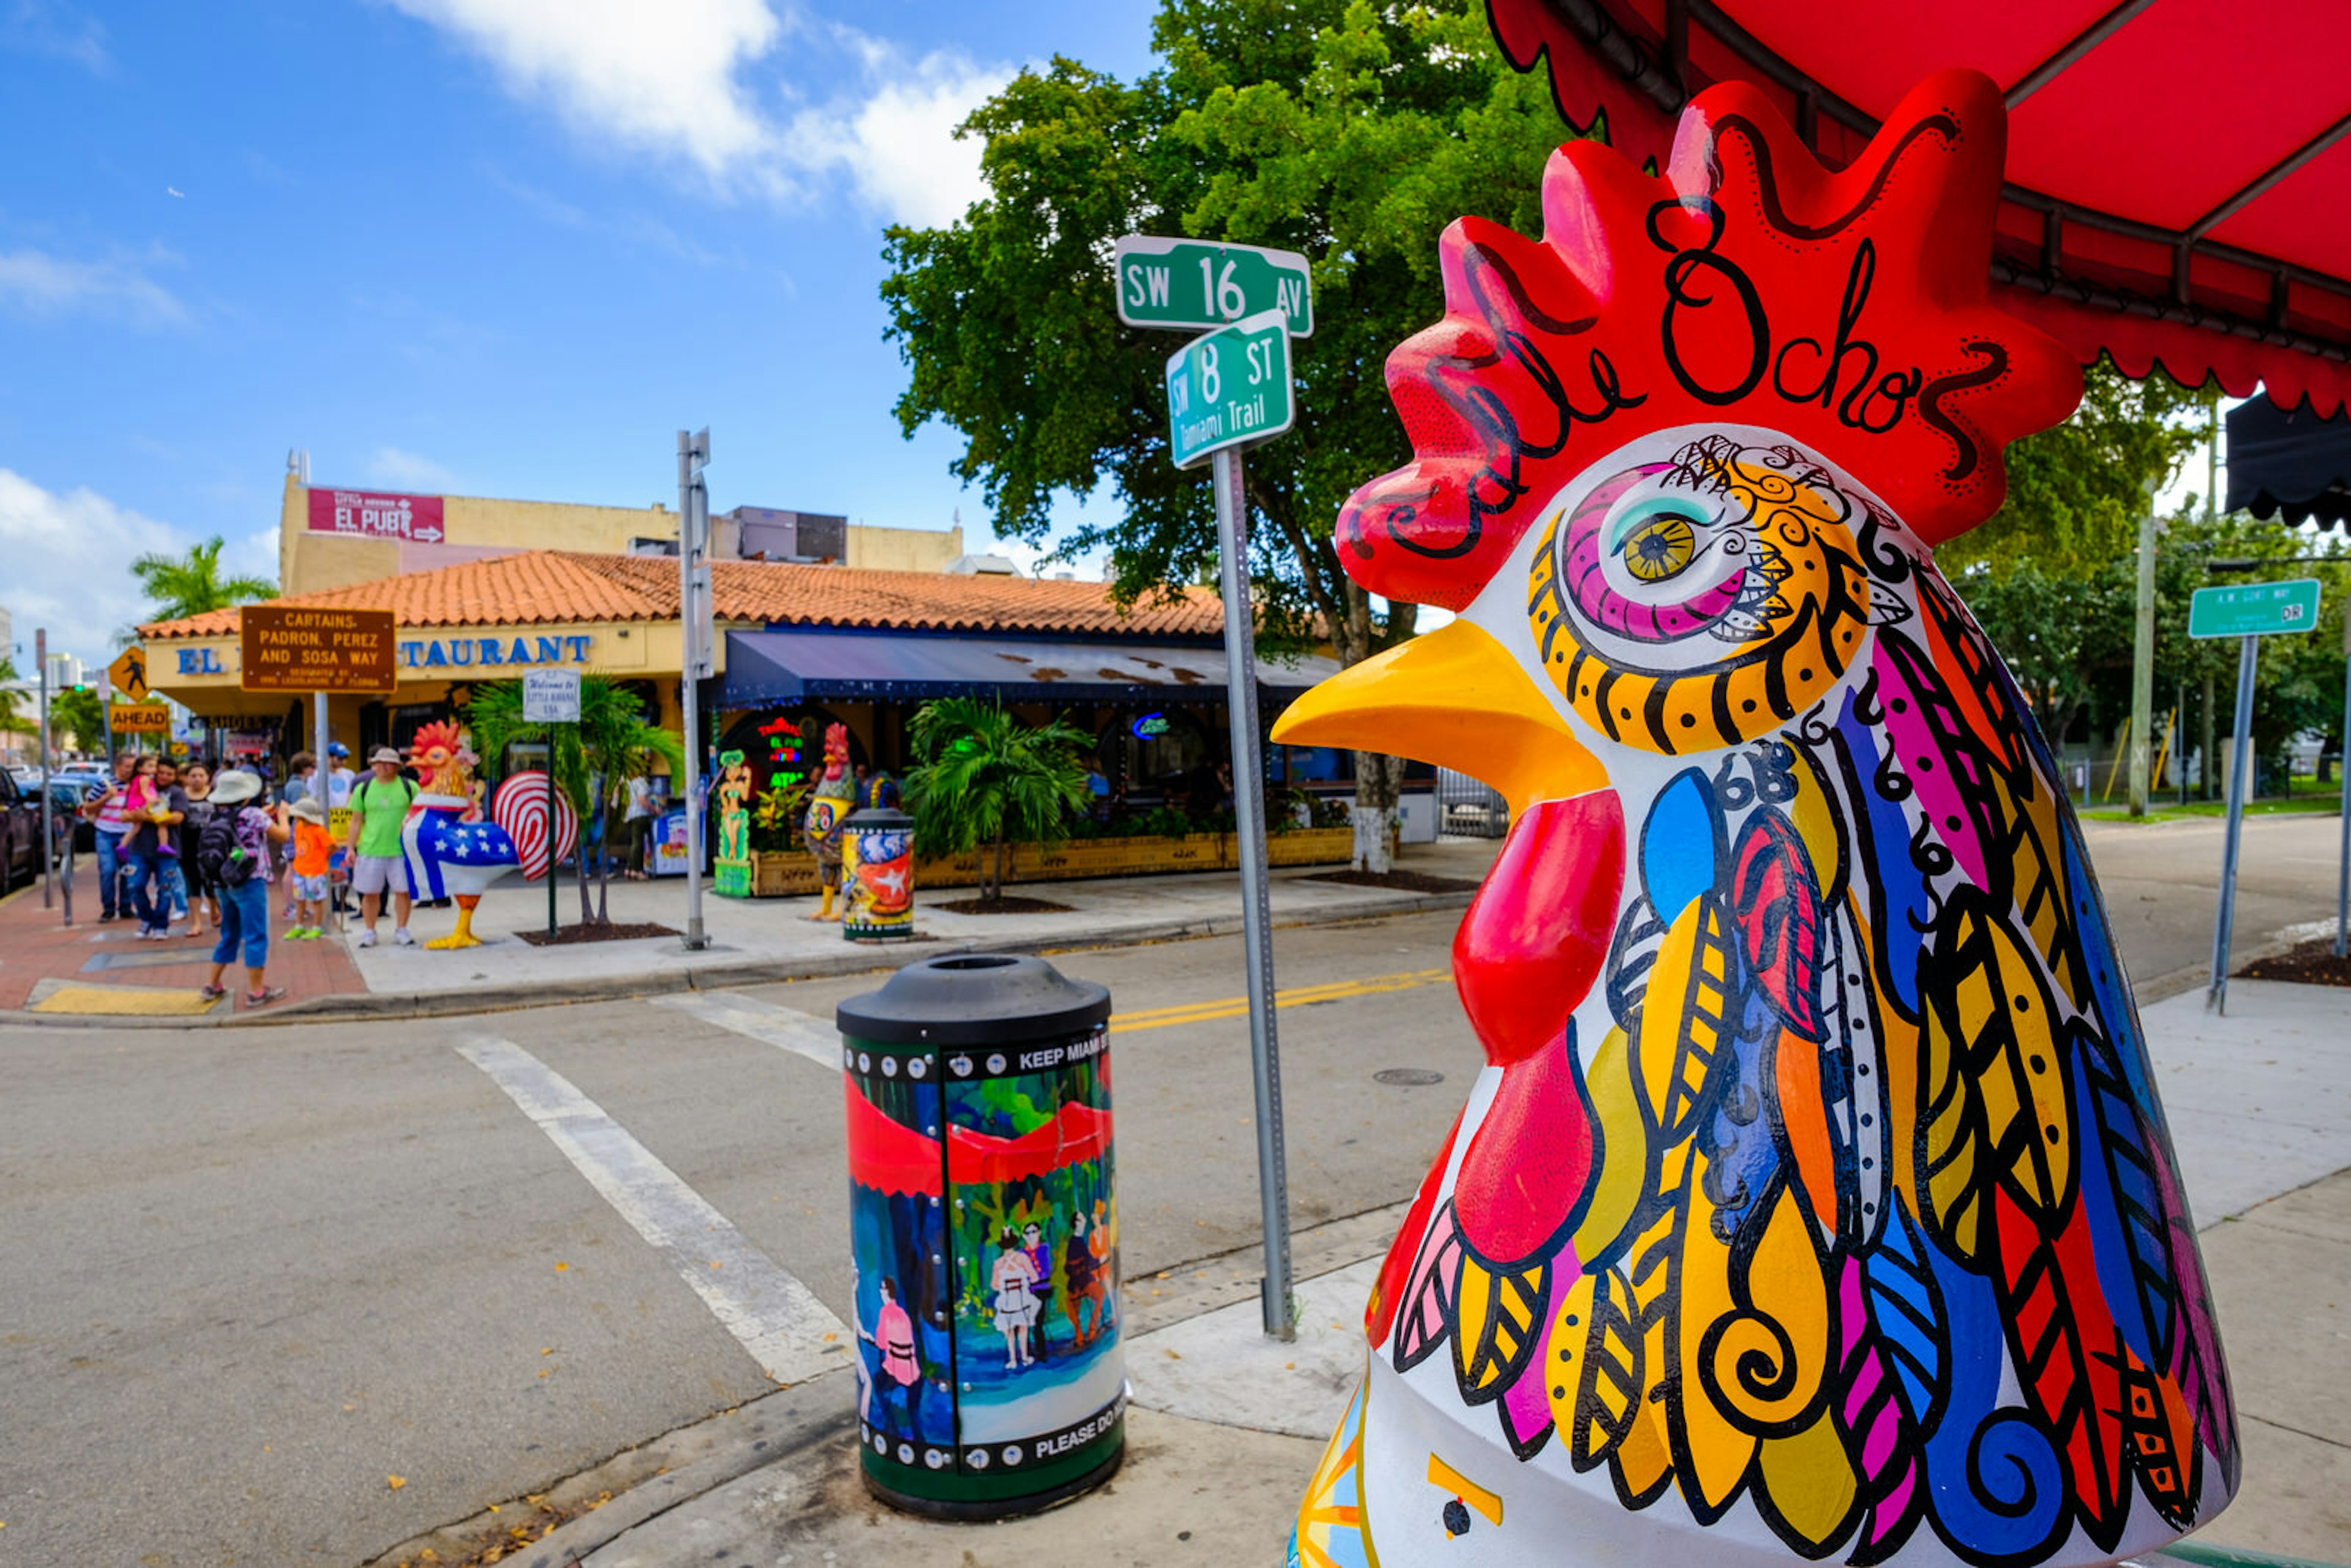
{"type": "Point", "coordinates": [2143, 660]}
{"type": "Point", "coordinates": [694, 623]}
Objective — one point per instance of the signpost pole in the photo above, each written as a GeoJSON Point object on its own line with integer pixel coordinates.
{"type": "Point", "coordinates": [2142, 719]}
{"type": "Point", "coordinates": [325, 776]}
{"type": "Point", "coordinates": [2343, 765]}
{"type": "Point", "coordinates": [693, 620]}
{"type": "Point", "coordinates": [2216, 997]}
{"type": "Point", "coordinates": [49, 805]}
{"type": "Point", "coordinates": [1248, 810]}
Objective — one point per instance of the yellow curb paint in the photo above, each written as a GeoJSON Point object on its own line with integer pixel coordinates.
{"type": "Point", "coordinates": [122, 1001]}
{"type": "Point", "coordinates": [1300, 996]}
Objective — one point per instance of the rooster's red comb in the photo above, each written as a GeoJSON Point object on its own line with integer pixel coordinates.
{"type": "Point", "coordinates": [1748, 286]}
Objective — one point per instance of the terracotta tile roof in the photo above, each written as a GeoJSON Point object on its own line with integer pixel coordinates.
{"type": "Point", "coordinates": [533, 588]}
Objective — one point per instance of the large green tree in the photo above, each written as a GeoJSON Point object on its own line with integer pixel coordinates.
{"type": "Point", "coordinates": [1353, 132]}
{"type": "Point", "coordinates": [178, 586]}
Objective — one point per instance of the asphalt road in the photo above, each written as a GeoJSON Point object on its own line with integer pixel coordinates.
{"type": "Point", "coordinates": [252, 1275]}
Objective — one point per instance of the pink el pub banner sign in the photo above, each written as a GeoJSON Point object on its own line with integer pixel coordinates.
{"type": "Point", "coordinates": [416, 518]}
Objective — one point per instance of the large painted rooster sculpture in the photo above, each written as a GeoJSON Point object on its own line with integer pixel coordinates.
{"type": "Point", "coordinates": [454, 851]}
{"type": "Point", "coordinates": [1816, 1201]}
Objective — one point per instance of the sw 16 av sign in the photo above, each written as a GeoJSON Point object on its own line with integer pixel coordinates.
{"type": "Point", "coordinates": [287, 648]}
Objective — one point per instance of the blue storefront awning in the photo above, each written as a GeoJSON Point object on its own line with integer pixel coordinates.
{"type": "Point", "coordinates": [771, 668]}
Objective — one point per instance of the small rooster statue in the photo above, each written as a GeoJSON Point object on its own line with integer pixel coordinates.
{"type": "Point", "coordinates": [828, 811]}
{"type": "Point", "coordinates": [453, 852]}
{"type": "Point", "coordinates": [1816, 1201]}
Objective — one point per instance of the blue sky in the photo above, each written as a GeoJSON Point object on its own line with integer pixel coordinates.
{"type": "Point", "coordinates": [498, 247]}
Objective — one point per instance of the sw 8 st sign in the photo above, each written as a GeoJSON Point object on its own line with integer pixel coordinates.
{"type": "Point", "coordinates": [1229, 387]}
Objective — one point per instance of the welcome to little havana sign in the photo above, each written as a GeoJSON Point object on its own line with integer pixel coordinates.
{"type": "Point", "coordinates": [1229, 387]}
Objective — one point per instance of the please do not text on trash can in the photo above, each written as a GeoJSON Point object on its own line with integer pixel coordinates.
{"type": "Point", "coordinates": [984, 1235]}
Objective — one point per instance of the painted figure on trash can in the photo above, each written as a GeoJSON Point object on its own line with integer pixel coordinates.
{"type": "Point", "coordinates": [829, 808]}
{"type": "Point", "coordinates": [1816, 1202]}
{"type": "Point", "coordinates": [453, 852]}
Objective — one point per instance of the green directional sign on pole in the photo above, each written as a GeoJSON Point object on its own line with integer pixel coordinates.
{"type": "Point", "coordinates": [2254, 609]}
{"type": "Point", "coordinates": [1194, 284]}
{"type": "Point", "coordinates": [1229, 387]}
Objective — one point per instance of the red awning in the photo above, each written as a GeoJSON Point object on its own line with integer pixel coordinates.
{"type": "Point", "coordinates": [2179, 171]}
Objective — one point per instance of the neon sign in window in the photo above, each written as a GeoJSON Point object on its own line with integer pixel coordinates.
{"type": "Point", "coordinates": [1150, 727]}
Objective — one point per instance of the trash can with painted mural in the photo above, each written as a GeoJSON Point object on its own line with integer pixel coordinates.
{"type": "Point", "coordinates": [984, 1235]}
{"type": "Point", "coordinates": [877, 875]}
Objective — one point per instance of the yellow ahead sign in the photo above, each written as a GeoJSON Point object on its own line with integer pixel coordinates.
{"type": "Point", "coordinates": [141, 718]}
{"type": "Point", "coordinates": [128, 676]}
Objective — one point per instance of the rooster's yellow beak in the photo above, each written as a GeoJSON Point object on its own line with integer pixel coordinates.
{"type": "Point", "coordinates": [1455, 698]}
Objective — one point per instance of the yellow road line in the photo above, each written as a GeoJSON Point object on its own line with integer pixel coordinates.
{"type": "Point", "coordinates": [1290, 997]}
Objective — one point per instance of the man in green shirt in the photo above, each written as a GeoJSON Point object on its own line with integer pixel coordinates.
{"type": "Point", "coordinates": [379, 809]}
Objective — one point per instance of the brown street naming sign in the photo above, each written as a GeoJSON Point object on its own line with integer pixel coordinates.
{"type": "Point", "coordinates": [288, 648]}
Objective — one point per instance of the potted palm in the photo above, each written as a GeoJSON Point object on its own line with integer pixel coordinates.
{"type": "Point", "coordinates": [985, 781]}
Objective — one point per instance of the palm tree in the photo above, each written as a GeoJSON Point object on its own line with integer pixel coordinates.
{"type": "Point", "coordinates": [985, 777]}
{"type": "Point", "coordinates": [612, 743]}
{"type": "Point", "coordinates": [182, 586]}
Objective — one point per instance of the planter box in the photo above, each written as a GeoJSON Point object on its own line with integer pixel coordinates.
{"type": "Point", "coordinates": [770, 873]}
{"type": "Point", "coordinates": [790, 872]}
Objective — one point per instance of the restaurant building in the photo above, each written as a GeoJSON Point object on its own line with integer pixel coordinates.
{"type": "Point", "coordinates": [801, 647]}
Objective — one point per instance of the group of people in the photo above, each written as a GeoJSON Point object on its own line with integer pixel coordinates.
{"type": "Point", "coordinates": [191, 844]}
{"type": "Point", "coordinates": [182, 843]}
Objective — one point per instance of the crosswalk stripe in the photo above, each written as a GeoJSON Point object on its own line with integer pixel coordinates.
{"type": "Point", "coordinates": [791, 1334]}
{"type": "Point", "coordinates": [786, 1029]}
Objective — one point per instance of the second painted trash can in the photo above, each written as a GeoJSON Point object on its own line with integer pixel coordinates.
{"type": "Point", "coordinates": [984, 1235]}
{"type": "Point", "coordinates": [877, 875]}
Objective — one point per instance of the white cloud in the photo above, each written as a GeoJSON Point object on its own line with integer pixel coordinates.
{"type": "Point", "coordinates": [51, 541]}
{"type": "Point", "coordinates": [57, 30]}
{"type": "Point", "coordinates": [671, 80]}
{"type": "Point", "coordinates": [35, 283]}
{"type": "Point", "coordinates": [391, 465]}
{"type": "Point", "coordinates": [662, 78]}
{"type": "Point", "coordinates": [898, 146]}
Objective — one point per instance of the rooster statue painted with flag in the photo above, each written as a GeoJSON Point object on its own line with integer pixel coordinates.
{"type": "Point", "coordinates": [1816, 1202]}
{"type": "Point", "coordinates": [454, 851]}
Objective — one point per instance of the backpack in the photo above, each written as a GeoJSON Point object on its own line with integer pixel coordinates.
{"type": "Point", "coordinates": [222, 858]}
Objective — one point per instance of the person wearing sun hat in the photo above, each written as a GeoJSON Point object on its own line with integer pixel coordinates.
{"type": "Point", "coordinates": [234, 851]}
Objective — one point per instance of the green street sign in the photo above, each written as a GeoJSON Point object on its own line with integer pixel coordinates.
{"type": "Point", "coordinates": [1195, 285]}
{"type": "Point", "coordinates": [1229, 387]}
{"type": "Point", "coordinates": [2255, 609]}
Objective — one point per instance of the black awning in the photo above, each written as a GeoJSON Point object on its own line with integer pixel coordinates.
{"type": "Point", "coordinates": [2290, 462]}
{"type": "Point", "coordinates": [772, 668]}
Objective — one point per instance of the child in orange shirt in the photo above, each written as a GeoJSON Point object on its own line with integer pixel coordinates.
{"type": "Point", "coordinates": [313, 849]}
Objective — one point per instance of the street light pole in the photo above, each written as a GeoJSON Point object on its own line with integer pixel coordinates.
{"type": "Point", "coordinates": [694, 622]}
{"type": "Point", "coordinates": [1256, 920]}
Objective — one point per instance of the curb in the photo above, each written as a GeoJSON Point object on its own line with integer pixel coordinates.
{"type": "Point", "coordinates": [365, 1006]}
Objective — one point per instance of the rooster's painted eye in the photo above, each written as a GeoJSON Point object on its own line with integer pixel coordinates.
{"type": "Point", "coordinates": [1657, 546]}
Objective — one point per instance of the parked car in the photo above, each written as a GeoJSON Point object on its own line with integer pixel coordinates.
{"type": "Point", "coordinates": [20, 832]}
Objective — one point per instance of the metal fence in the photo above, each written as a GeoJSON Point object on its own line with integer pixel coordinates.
{"type": "Point", "coordinates": [1469, 809]}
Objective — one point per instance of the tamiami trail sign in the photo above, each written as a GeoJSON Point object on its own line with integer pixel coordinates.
{"type": "Point", "coordinates": [1230, 388]}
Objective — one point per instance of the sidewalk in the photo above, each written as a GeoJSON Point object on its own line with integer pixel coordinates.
{"type": "Point", "coordinates": [50, 972]}
{"type": "Point", "coordinates": [1226, 1426]}
{"type": "Point", "coordinates": [107, 972]}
